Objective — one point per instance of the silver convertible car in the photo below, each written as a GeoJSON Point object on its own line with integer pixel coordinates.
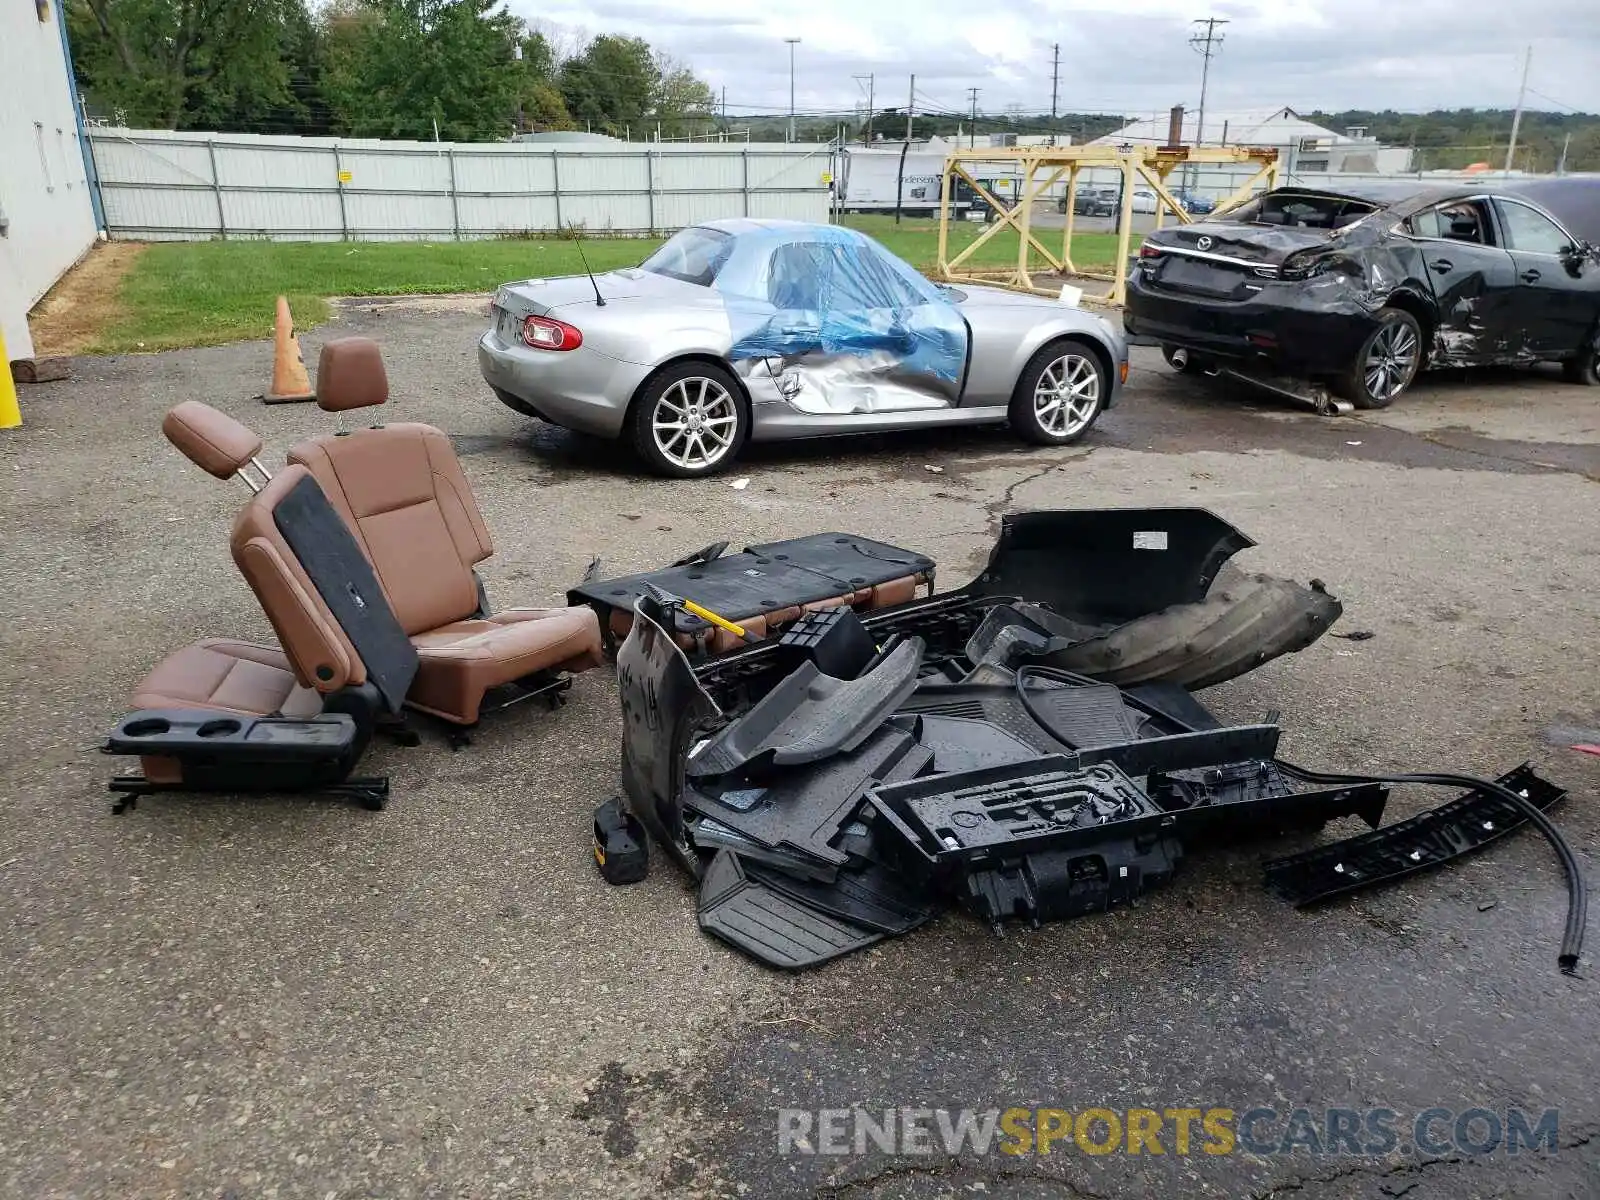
{"type": "Point", "coordinates": [757, 329]}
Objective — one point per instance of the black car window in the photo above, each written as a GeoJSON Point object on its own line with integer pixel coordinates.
{"type": "Point", "coordinates": [1463, 221]}
{"type": "Point", "coordinates": [1531, 231]}
{"type": "Point", "coordinates": [1304, 210]}
{"type": "Point", "coordinates": [694, 255]}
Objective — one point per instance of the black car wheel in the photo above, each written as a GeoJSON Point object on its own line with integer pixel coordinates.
{"type": "Point", "coordinates": [1583, 369]}
{"type": "Point", "coordinates": [1059, 394]}
{"type": "Point", "coordinates": [1387, 362]}
{"type": "Point", "coordinates": [689, 420]}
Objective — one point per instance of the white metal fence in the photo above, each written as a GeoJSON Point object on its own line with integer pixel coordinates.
{"type": "Point", "coordinates": [158, 185]}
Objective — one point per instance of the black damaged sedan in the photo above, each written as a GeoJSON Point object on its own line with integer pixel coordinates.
{"type": "Point", "coordinates": [1361, 289]}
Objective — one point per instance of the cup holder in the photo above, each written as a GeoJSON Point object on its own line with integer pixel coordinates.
{"type": "Point", "coordinates": [221, 727]}
{"type": "Point", "coordinates": [147, 727]}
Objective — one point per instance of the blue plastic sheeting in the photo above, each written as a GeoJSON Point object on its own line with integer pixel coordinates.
{"type": "Point", "coordinates": [803, 290]}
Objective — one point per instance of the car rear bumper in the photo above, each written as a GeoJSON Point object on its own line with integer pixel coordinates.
{"type": "Point", "coordinates": [1288, 337]}
{"type": "Point", "coordinates": [579, 389]}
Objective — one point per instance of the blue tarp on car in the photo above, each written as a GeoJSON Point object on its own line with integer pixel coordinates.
{"type": "Point", "coordinates": [822, 289]}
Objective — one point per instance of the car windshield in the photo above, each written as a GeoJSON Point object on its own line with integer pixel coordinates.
{"type": "Point", "coordinates": [1306, 210]}
{"type": "Point", "coordinates": [694, 255]}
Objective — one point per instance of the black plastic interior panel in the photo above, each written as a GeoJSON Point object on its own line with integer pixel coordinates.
{"type": "Point", "coordinates": [1242, 800]}
{"type": "Point", "coordinates": [970, 817]}
{"type": "Point", "coordinates": [1178, 751]}
{"type": "Point", "coordinates": [343, 578]}
{"type": "Point", "coordinates": [1057, 885]}
{"type": "Point", "coordinates": [763, 578]}
{"type": "Point", "coordinates": [770, 926]}
{"type": "Point", "coordinates": [810, 716]}
{"type": "Point", "coordinates": [218, 751]}
{"type": "Point", "coordinates": [1430, 839]}
{"type": "Point", "coordinates": [804, 809]}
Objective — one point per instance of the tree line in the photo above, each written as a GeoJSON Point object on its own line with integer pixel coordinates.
{"type": "Point", "coordinates": [457, 70]}
{"type": "Point", "coordinates": [1453, 139]}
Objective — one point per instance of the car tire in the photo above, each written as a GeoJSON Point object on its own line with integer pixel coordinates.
{"type": "Point", "coordinates": [515, 404]}
{"type": "Point", "coordinates": [1040, 413]}
{"type": "Point", "coordinates": [1584, 369]}
{"type": "Point", "coordinates": [689, 420]}
{"type": "Point", "coordinates": [1387, 363]}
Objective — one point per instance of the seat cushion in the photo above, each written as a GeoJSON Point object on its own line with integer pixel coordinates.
{"type": "Point", "coordinates": [237, 677]}
{"type": "Point", "coordinates": [462, 660]}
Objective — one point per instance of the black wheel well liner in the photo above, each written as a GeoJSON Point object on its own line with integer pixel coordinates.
{"type": "Point", "coordinates": [1408, 301]}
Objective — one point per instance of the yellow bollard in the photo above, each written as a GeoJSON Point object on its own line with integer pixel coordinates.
{"type": "Point", "coordinates": [10, 414]}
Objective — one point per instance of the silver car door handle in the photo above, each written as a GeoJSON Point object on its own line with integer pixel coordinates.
{"type": "Point", "coordinates": [1530, 276]}
{"type": "Point", "coordinates": [1442, 265]}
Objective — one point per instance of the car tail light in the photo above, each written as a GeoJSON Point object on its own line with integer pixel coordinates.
{"type": "Point", "coordinates": [1149, 251]}
{"type": "Point", "coordinates": [546, 333]}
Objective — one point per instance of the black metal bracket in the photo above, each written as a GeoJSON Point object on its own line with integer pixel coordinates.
{"type": "Point", "coordinates": [369, 791]}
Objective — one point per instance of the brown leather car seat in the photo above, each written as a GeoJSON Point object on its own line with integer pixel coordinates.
{"type": "Point", "coordinates": [401, 491]}
{"type": "Point", "coordinates": [218, 673]}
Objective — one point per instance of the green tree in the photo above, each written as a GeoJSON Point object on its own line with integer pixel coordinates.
{"type": "Point", "coordinates": [611, 85]}
{"type": "Point", "coordinates": [539, 101]}
{"type": "Point", "coordinates": [186, 64]}
{"type": "Point", "coordinates": [401, 68]}
{"type": "Point", "coordinates": [683, 102]}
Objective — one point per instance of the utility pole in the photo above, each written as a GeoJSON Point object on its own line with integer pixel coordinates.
{"type": "Point", "coordinates": [1516, 120]}
{"type": "Point", "coordinates": [1055, 79]}
{"type": "Point", "coordinates": [793, 42]}
{"type": "Point", "coordinates": [1208, 44]}
{"type": "Point", "coordinates": [866, 133]}
{"type": "Point", "coordinates": [911, 111]}
{"type": "Point", "coordinates": [972, 135]}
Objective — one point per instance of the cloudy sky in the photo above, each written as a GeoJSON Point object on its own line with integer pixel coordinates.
{"type": "Point", "coordinates": [1128, 56]}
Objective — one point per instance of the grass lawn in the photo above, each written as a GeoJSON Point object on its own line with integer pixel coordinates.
{"type": "Point", "coordinates": [202, 293]}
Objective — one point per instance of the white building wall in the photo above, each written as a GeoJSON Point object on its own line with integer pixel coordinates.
{"type": "Point", "coordinates": [45, 207]}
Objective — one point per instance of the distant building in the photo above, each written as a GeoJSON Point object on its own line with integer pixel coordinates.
{"type": "Point", "coordinates": [1304, 146]}
{"type": "Point", "coordinates": [47, 216]}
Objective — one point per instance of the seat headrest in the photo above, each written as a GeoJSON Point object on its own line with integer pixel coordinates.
{"type": "Point", "coordinates": [213, 441]}
{"type": "Point", "coordinates": [350, 374]}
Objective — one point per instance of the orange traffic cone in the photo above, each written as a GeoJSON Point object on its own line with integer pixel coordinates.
{"type": "Point", "coordinates": [289, 378]}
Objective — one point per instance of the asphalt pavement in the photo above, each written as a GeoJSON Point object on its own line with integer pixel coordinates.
{"type": "Point", "coordinates": [291, 998]}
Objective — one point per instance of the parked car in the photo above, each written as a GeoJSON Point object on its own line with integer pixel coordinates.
{"type": "Point", "coordinates": [1091, 202]}
{"type": "Point", "coordinates": [1366, 286]}
{"type": "Point", "coordinates": [1194, 203]}
{"type": "Point", "coordinates": [1144, 200]}
{"type": "Point", "coordinates": [761, 329]}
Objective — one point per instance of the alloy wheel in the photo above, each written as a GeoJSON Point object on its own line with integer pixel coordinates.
{"type": "Point", "coordinates": [694, 423]}
{"type": "Point", "coordinates": [1391, 360]}
{"type": "Point", "coordinates": [1067, 395]}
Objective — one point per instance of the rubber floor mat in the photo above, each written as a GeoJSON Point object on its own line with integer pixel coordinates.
{"type": "Point", "coordinates": [875, 897]}
{"type": "Point", "coordinates": [769, 926]}
{"type": "Point", "coordinates": [1085, 716]}
{"type": "Point", "coordinates": [810, 716]}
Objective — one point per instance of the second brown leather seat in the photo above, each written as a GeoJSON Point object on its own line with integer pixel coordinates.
{"type": "Point", "coordinates": [401, 491]}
